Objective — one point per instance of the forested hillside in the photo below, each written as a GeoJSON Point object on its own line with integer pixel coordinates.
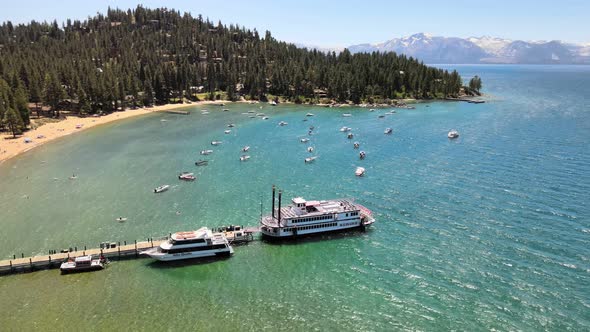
{"type": "Point", "coordinates": [142, 56]}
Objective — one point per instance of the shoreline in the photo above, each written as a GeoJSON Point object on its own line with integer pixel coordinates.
{"type": "Point", "coordinates": [10, 148]}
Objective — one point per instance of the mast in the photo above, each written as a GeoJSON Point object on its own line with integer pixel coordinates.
{"type": "Point", "coordinates": [273, 201]}
{"type": "Point", "coordinates": [280, 192]}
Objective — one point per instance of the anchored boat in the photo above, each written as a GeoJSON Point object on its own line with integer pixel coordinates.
{"type": "Point", "coordinates": [193, 244]}
{"type": "Point", "coordinates": [82, 264]}
{"type": "Point", "coordinates": [303, 217]}
{"type": "Point", "coordinates": [161, 188]}
{"type": "Point", "coordinates": [453, 134]}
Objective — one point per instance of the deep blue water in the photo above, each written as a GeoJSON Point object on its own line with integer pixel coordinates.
{"type": "Point", "coordinates": [489, 231]}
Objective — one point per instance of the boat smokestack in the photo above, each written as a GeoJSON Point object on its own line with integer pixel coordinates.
{"type": "Point", "coordinates": [273, 201]}
{"type": "Point", "coordinates": [280, 192]}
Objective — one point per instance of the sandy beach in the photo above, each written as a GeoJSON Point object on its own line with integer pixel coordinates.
{"type": "Point", "coordinates": [72, 124]}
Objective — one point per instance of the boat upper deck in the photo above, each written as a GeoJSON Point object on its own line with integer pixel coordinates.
{"type": "Point", "coordinates": [305, 209]}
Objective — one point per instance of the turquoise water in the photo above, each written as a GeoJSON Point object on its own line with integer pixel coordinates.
{"type": "Point", "coordinates": [489, 231]}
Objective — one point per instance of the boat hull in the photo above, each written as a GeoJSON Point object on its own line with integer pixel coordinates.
{"type": "Point", "coordinates": [81, 269]}
{"type": "Point", "coordinates": [225, 252]}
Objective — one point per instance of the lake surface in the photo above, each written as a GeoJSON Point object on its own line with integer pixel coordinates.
{"type": "Point", "coordinates": [488, 231]}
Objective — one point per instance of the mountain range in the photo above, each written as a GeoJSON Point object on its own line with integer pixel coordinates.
{"type": "Point", "coordinates": [437, 49]}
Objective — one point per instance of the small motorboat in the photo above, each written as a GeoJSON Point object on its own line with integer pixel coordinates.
{"type": "Point", "coordinates": [388, 131]}
{"type": "Point", "coordinates": [381, 116]}
{"type": "Point", "coordinates": [273, 103]}
{"type": "Point", "coordinates": [206, 152]}
{"type": "Point", "coordinates": [204, 112]}
{"type": "Point", "coordinates": [201, 162]}
{"type": "Point", "coordinates": [356, 145]}
{"type": "Point", "coordinates": [244, 157]}
{"type": "Point", "coordinates": [161, 189]}
{"type": "Point", "coordinates": [227, 131]}
{"type": "Point", "coordinates": [283, 123]}
{"type": "Point", "coordinates": [391, 112]}
{"type": "Point", "coordinates": [186, 176]}
{"type": "Point", "coordinates": [362, 155]}
{"type": "Point", "coordinates": [345, 129]}
{"type": "Point", "coordinates": [265, 118]}
{"type": "Point", "coordinates": [350, 136]}
{"type": "Point", "coordinates": [372, 110]}
{"type": "Point", "coordinates": [246, 148]}
{"type": "Point", "coordinates": [83, 264]}
{"type": "Point", "coordinates": [231, 125]}
{"type": "Point", "coordinates": [260, 114]}
{"type": "Point", "coordinates": [360, 171]}
{"type": "Point", "coordinates": [251, 111]}
{"type": "Point", "coordinates": [311, 128]}
{"type": "Point", "coordinates": [163, 120]}
{"type": "Point", "coordinates": [304, 140]}
{"type": "Point", "coordinates": [346, 115]}
{"type": "Point", "coordinates": [453, 134]}
{"type": "Point", "coordinates": [310, 149]}
{"type": "Point", "coordinates": [121, 219]}
{"type": "Point", "coordinates": [216, 142]}
{"type": "Point", "coordinates": [252, 116]}
{"type": "Point", "coordinates": [309, 114]}
{"type": "Point", "coordinates": [310, 159]}
{"type": "Point", "coordinates": [73, 177]}
{"type": "Point", "coordinates": [225, 110]}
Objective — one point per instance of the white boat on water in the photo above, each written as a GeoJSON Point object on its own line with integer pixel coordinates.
{"type": "Point", "coordinates": [227, 131]}
{"type": "Point", "coordinates": [246, 148]}
{"type": "Point", "coordinates": [265, 118]}
{"type": "Point", "coordinates": [244, 157]}
{"type": "Point", "coordinates": [356, 145]}
{"type": "Point", "coordinates": [273, 103]}
{"type": "Point", "coordinates": [216, 142]}
{"type": "Point", "coordinates": [362, 155]}
{"type": "Point", "coordinates": [82, 264]}
{"type": "Point", "coordinates": [310, 159]}
{"type": "Point", "coordinates": [121, 219]}
{"type": "Point", "coordinates": [453, 134]}
{"type": "Point", "coordinates": [310, 149]}
{"type": "Point", "coordinates": [161, 188]}
{"type": "Point", "coordinates": [312, 217]}
{"type": "Point", "coordinates": [346, 115]}
{"type": "Point", "coordinates": [206, 152]}
{"type": "Point", "coordinates": [193, 244]}
{"type": "Point", "coordinates": [372, 110]}
{"type": "Point", "coordinates": [349, 136]}
{"type": "Point", "coordinates": [345, 129]}
{"type": "Point", "coordinates": [283, 123]}
{"type": "Point", "coordinates": [309, 114]}
{"type": "Point", "coordinates": [260, 114]}
{"type": "Point", "coordinates": [186, 176]}
{"type": "Point", "coordinates": [304, 140]}
{"type": "Point", "coordinates": [388, 131]}
{"type": "Point", "coordinates": [360, 171]}
{"type": "Point", "coordinates": [231, 125]}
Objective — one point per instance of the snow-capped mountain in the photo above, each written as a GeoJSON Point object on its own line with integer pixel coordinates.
{"type": "Point", "coordinates": [436, 49]}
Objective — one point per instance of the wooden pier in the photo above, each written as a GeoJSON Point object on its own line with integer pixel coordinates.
{"type": "Point", "coordinates": [110, 250]}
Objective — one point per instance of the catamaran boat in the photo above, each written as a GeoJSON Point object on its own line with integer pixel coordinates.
{"type": "Point", "coordinates": [82, 264]}
{"type": "Point", "coordinates": [312, 217]}
{"type": "Point", "coordinates": [453, 134]}
{"type": "Point", "coordinates": [310, 149]}
{"type": "Point", "coordinates": [304, 140]}
{"type": "Point", "coordinates": [357, 145]}
{"type": "Point", "coordinates": [186, 176]}
{"type": "Point", "coordinates": [161, 189]}
{"type": "Point", "coordinates": [201, 162]}
{"type": "Point", "coordinates": [216, 142]}
{"type": "Point", "coordinates": [283, 123]}
{"type": "Point", "coordinates": [360, 171]}
{"type": "Point", "coordinates": [362, 155]}
{"type": "Point", "coordinates": [227, 131]}
{"type": "Point", "coordinates": [206, 152]}
{"type": "Point", "coordinates": [246, 148]}
{"type": "Point", "coordinates": [350, 136]}
{"type": "Point", "coordinates": [193, 244]}
{"type": "Point", "coordinates": [244, 157]}
{"type": "Point", "coordinates": [310, 159]}
{"type": "Point", "coordinates": [388, 131]}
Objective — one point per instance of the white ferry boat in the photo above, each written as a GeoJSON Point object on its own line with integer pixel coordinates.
{"type": "Point", "coordinates": [312, 217]}
{"type": "Point", "coordinates": [192, 244]}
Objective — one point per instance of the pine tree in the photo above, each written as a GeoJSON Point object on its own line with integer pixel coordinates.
{"type": "Point", "coordinates": [13, 121]}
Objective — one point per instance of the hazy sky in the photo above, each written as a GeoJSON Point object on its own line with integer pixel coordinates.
{"type": "Point", "coordinates": [343, 23]}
